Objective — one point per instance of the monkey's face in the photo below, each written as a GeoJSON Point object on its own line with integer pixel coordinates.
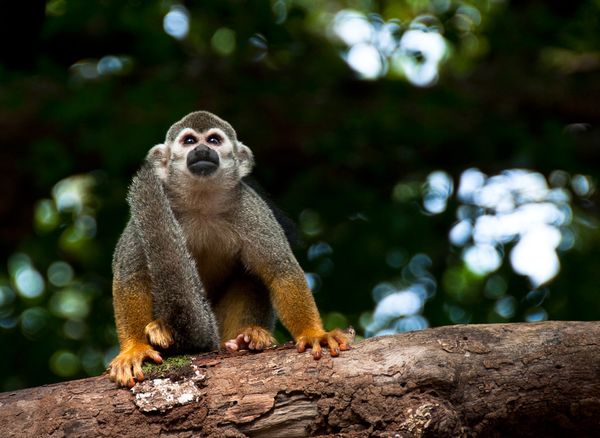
{"type": "Point", "coordinates": [202, 158]}
{"type": "Point", "coordinates": [206, 156]}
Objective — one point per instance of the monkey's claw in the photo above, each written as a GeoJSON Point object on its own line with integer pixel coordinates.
{"type": "Point", "coordinates": [335, 340]}
{"type": "Point", "coordinates": [159, 334]}
{"type": "Point", "coordinates": [251, 338]}
{"type": "Point", "coordinates": [126, 368]}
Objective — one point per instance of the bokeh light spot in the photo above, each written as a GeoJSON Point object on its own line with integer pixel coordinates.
{"type": "Point", "coordinates": [91, 361]}
{"type": "Point", "coordinates": [56, 7]}
{"type": "Point", "coordinates": [366, 60]}
{"type": "Point", "coordinates": [460, 233]}
{"type": "Point", "coordinates": [69, 303]}
{"type": "Point", "coordinates": [457, 314]}
{"type": "Point", "coordinates": [29, 282]}
{"type": "Point", "coordinates": [505, 307]}
{"type": "Point", "coordinates": [438, 188]}
{"type": "Point", "coordinates": [85, 69]}
{"type": "Point", "coordinates": [46, 217]}
{"type": "Point", "coordinates": [34, 322]}
{"type": "Point", "coordinates": [64, 363]}
{"type": "Point", "coordinates": [109, 65]}
{"type": "Point", "coordinates": [395, 258]}
{"type": "Point", "coordinates": [280, 10]}
{"type": "Point", "coordinates": [60, 273]}
{"type": "Point", "coordinates": [536, 315]}
{"type": "Point", "coordinates": [398, 304]}
{"type": "Point", "coordinates": [535, 256]}
{"type": "Point", "coordinates": [223, 41]}
{"type": "Point", "coordinates": [411, 324]}
{"type": "Point", "coordinates": [71, 193]}
{"type": "Point", "coordinates": [352, 27]}
{"type": "Point", "coordinates": [495, 287]}
{"type": "Point", "coordinates": [582, 185]}
{"type": "Point", "coordinates": [313, 280]}
{"type": "Point", "coordinates": [310, 222]}
{"type": "Point", "coordinates": [319, 249]}
{"type": "Point", "coordinates": [74, 329]}
{"type": "Point", "coordinates": [382, 290]}
{"type": "Point", "coordinates": [7, 296]}
{"type": "Point", "coordinates": [419, 56]}
{"type": "Point", "coordinates": [177, 22]}
{"type": "Point", "coordinates": [481, 259]}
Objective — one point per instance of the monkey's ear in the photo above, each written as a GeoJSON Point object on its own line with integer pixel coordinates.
{"type": "Point", "coordinates": [159, 157]}
{"type": "Point", "coordinates": [245, 158]}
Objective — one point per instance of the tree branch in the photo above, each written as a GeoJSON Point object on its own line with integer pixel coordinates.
{"type": "Point", "coordinates": [539, 379]}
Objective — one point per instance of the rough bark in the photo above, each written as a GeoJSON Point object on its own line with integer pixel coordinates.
{"type": "Point", "coordinates": [538, 379]}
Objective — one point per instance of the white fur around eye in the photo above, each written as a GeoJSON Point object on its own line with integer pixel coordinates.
{"type": "Point", "coordinates": [187, 132]}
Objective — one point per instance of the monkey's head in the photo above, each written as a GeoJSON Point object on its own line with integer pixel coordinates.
{"type": "Point", "coordinates": [202, 148]}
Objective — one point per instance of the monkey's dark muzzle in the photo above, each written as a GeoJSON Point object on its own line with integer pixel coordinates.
{"type": "Point", "coordinates": [202, 161]}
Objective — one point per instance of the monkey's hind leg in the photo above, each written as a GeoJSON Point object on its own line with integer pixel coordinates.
{"type": "Point", "coordinates": [245, 316]}
{"type": "Point", "coordinates": [133, 313]}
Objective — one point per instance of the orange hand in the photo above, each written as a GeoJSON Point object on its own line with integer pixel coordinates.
{"type": "Point", "coordinates": [251, 338]}
{"type": "Point", "coordinates": [335, 341]}
{"type": "Point", "coordinates": [126, 368]}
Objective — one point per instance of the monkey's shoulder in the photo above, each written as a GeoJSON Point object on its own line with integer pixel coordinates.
{"type": "Point", "coordinates": [257, 202]}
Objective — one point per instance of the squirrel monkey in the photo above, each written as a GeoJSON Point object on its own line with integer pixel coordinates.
{"type": "Point", "coordinates": [203, 261]}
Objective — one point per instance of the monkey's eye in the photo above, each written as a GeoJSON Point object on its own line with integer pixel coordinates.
{"type": "Point", "coordinates": [189, 139]}
{"type": "Point", "coordinates": [214, 139]}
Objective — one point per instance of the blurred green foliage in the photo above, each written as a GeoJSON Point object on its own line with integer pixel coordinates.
{"type": "Point", "coordinates": [344, 142]}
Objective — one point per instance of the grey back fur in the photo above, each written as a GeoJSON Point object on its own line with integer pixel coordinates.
{"type": "Point", "coordinates": [178, 295]}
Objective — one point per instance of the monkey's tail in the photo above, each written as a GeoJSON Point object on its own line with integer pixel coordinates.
{"type": "Point", "coordinates": [179, 298]}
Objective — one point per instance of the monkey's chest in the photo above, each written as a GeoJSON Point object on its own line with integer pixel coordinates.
{"type": "Point", "coordinates": [215, 247]}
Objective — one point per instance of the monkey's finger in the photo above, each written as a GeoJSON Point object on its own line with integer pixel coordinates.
{"type": "Point", "coordinates": [334, 348]}
{"type": "Point", "coordinates": [241, 341]}
{"type": "Point", "coordinates": [154, 355]}
{"type": "Point", "coordinates": [112, 373]}
{"type": "Point", "coordinates": [301, 346]}
{"type": "Point", "coordinates": [231, 345]}
{"type": "Point", "coordinates": [137, 371]}
{"type": "Point", "coordinates": [125, 377]}
{"type": "Point", "coordinates": [316, 350]}
{"type": "Point", "coordinates": [342, 341]}
{"type": "Point", "coordinates": [119, 374]}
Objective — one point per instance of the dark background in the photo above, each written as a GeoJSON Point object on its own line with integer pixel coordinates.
{"type": "Point", "coordinates": [86, 88]}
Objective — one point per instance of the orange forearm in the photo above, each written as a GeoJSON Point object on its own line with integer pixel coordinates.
{"type": "Point", "coordinates": [295, 305]}
{"type": "Point", "coordinates": [132, 302]}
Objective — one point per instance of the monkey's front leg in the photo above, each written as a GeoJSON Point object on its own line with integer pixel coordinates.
{"type": "Point", "coordinates": [297, 310]}
{"type": "Point", "coordinates": [133, 315]}
{"type": "Point", "coordinates": [267, 254]}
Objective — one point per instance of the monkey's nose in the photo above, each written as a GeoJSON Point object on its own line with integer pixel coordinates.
{"type": "Point", "coordinates": [202, 152]}
{"type": "Point", "coordinates": [202, 160]}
